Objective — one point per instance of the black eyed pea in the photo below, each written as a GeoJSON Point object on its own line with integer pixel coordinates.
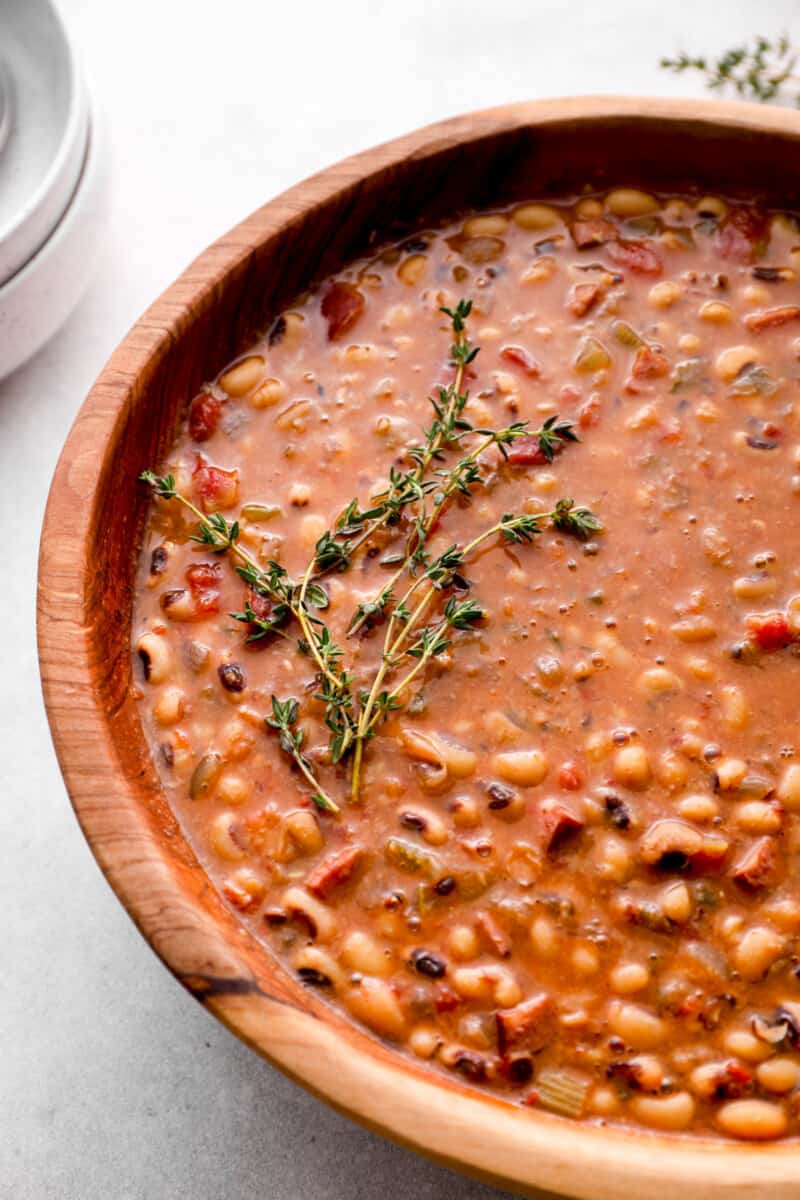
{"type": "Point", "coordinates": [412, 269]}
{"type": "Point", "coordinates": [789, 788]}
{"type": "Point", "coordinates": [536, 216]}
{"type": "Point", "coordinates": [361, 952]}
{"type": "Point", "coordinates": [757, 950]}
{"type": "Point", "coordinates": [170, 706]}
{"type": "Point", "coordinates": [224, 839]}
{"type": "Point", "coordinates": [424, 1041]}
{"type": "Point", "coordinates": [425, 822]}
{"type": "Point", "coordinates": [526, 768]}
{"type": "Point", "coordinates": [466, 812]}
{"type": "Point", "coordinates": [178, 604]}
{"type": "Point", "coordinates": [779, 1075]}
{"type": "Point", "coordinates": [631, 766]}
{"type": "Point", "coordinates": [455, 761]}
{"type": "Point", "coordinates": [630, 202]}
{"type": "Point", "coordinates": [672, 1112]}
{"type": "Point", "coordinates": [637, 1026]}
{"type": "Point", "coordinates": [730, 361]}
{"type": "Point", "coordinates": [321, 922]}
{"type": "Point", "coordinates": [243, 376]}
{"type": "Point", "coordinates": [156, 658]}
{"type": "Point", "coordinates": [492, 982]}
{"type": "Point", "coordinates": [314, 965]}
{"type": "Point", "coordinates": [752, 1119]}
{"type": "Point", "coordinates": [232, 788]}
{"type": "Point", "coordinates": [485, 225]}
{"type": "Point", "coordinates": [302, 828]}
{"type": "Point", "coordinates": [374, 1002]}
{"type": "Point", "coordinates": [743, 1044]}
{"type": "Point", "coordinates": [544, 937]}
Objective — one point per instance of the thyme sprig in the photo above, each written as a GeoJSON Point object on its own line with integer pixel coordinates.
{"type": "Point", "coordinates": [291, 739]}
{"type": "Point", "coordinates": [412, 637]}
{"type": "Point", "coordinates": [443, 573]}
{"type": "Point", "coordinates": [410, 487]}
{"type": "Point", "coordinates": [759, 70]}
{"type": "Point", "coordinates": [302, 602]}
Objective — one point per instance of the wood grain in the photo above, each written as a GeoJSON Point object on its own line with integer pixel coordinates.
{"type": "Point", "coordinates": [88, 553]}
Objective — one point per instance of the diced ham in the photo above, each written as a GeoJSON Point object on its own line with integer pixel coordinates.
{"type": "Point", "coordinates": [583, 297]}
{"type": "Point", "coordinates": [260, 604]}
{"type": "Point", "coordinates": [334, 871]}
{"type": "Point", "coordinates": [518, 356]}
{"type": "Point", "coordinates": [526, 1026]}
{"type": "Point", "coordinates": [640, 257]}
{"type": "Point", "coordinates": [770, 318]}
{"type": "Point", "coordinates": [738, 237]}
{"type": "Point", "coordinates": [341, 307]}
{"type": "Point", "coordinates": [526, 452]}
{"type": "Point", "coordinates": [557, 822]}
{"type": "Point", "coordinates": [594, 231]}
{"type": "Point", "coordinates": [760, 866]}
{"type": "Point", "coordinates": [244, 891]}
{"type": "Point", "coordinates": [649, 364]}
{"type": "Point", "coordinates": [215, 487]}
{"type": "Point", "coordinates": [494, 935]}
{"type": "Point", "coordinates": [769, 631]}
{"type": "Point", "coordinates": [204, 414]}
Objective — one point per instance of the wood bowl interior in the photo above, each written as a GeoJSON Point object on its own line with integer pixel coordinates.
{"type": "Point", "coordinates": [88, 556]}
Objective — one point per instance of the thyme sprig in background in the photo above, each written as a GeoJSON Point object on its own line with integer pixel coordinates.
{"type": "Point", "coordinates": [413, 637]}
{"type": "Point", "coordinates": [763, 69]}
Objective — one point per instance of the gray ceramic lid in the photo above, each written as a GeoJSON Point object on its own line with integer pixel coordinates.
{"type": "Point", "coordinates": [44, 128]}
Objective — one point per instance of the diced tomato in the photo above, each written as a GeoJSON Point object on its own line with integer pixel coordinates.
{"type": "Point", "coordinates": [770, 318]}
{"type": "Point", "coordinates": [204, 415]}
{"type": "Point", "coordinates": [215, 487]}
{"type": "Point", "coordinates": [570, 777]}
{"type": "Point", "coordinates": [640, 257]}
{"type": "Point", "coordinates": [445, 999]}
{"type": "Point", "coordinates": [649, 364]}
{"type": "Point", "coordinates": [557, 822]}
{"type": "Point", "coordinates": [739, 1074]}
{"type": "Point", "coordinates": [204, 581]}
{"type": "Point", "coordinates": [770, 631]}
{"type": "Point", "coordinates": [341, 307]}
{"type": "Point", "coordinates": [519, 357]}
{"type": "Point", "coordinates": [589, 412]}
{"type": "Point", "coordinates": [594, 231]}
{"type": "Point", "coordinates": [583, 297]}
{"type": "Point", "coordinates": [738, 237]}
{"type": "Point", "coordinates": [672, 433]}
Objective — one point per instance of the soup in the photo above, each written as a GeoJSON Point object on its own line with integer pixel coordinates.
{"type": "Point", "coordinates": [467, 628]}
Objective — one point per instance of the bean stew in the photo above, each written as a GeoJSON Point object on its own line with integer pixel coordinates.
{"type": "Point", "coordinates": [466, 636]}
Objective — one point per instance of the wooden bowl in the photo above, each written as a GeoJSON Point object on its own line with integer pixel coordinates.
{"type": "Point", "coordinates": [89, 549]}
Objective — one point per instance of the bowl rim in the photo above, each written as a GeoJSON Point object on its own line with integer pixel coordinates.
{"type": "Point", "coordinates": [504, 1144]}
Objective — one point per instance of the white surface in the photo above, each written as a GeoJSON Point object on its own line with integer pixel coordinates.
{"type": "Point", "coordinates": [114, 1085]}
